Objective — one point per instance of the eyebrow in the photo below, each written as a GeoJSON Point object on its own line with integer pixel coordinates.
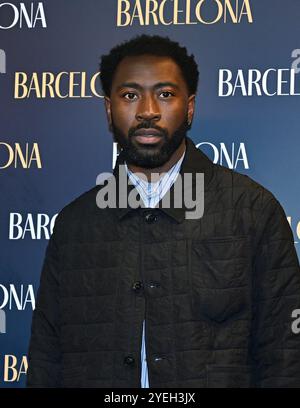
{"type": "Point", "coordinates": [138, 86]}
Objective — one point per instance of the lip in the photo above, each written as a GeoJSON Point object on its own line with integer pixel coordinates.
{"type": "Point", "coordinates": [147, 139]}
{"type": "Point", "coordinates": [147, 132]}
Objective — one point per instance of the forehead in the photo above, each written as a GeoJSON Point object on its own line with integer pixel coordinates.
{"type": "Point", "coordinates": [147, 70]}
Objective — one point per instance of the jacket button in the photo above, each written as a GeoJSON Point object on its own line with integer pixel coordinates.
{"type": "Point", "coordinates": [137, 286]}
{"type": "Point", "coordinates": [154, 285]}
{"type": "Point", "coordinates": [129, 360]}
{"type": "Point", "coordinates": [150, 218]}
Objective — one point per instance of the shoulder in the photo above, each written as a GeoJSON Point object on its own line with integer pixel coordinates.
{"type": "Point", "coordinates": [243, 189]}
{"type": "Point", "coordinates": [83, 207]}
{"type": "Point", "coordinates": [253, 203]}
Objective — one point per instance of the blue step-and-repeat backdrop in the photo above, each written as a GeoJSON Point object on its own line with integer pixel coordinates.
{"type": "Point", "coordinates": [54, 138]}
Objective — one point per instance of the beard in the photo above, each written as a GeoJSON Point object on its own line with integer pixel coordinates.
{"type": "Point", "coordinates": [149, 156]}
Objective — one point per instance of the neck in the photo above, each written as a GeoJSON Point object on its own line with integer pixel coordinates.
{"type": "Point", "coordinates": [162, 169]}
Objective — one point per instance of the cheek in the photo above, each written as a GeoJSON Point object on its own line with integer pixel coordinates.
{"type": "Point", "coordinates": [123, 117]}
{"type": "Point", "coordinates": [174, 117]}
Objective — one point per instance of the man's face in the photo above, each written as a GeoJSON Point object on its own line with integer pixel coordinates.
{"type": "Point", "coordinates": [149, 109]}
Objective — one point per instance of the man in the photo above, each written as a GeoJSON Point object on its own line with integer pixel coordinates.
{"type": "Point", "coordinates": [149, 296]}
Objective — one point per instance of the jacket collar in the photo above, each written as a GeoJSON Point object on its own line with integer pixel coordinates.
{"type": "Point", "coordinates": [195, 161]}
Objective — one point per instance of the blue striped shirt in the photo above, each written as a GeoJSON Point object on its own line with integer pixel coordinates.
{"type": "Point", "coordinates": [151, 194]}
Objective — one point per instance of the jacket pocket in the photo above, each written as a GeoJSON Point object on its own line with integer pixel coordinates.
{"type": "Point", "coordinates": [220, 271]}
{"type": "Point", "coordinates": [228, 376]}
{"type": "Point", "coordinates": [220, 262]}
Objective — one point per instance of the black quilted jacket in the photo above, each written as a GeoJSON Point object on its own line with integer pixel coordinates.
{"type": "Point", "coordinates": [217, 293]}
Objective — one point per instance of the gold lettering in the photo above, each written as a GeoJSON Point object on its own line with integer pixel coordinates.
{"type": "Point", "coordinates": [138, 7]}
{"type": "Point", "coordinates": [57, 85]}
{"type": "Point", "coordinates": [47, 84]}
{"type": "Point", "coordinates": [248, 12]}
{"type": "Point", "coordinates": [161, 13]}
{"type": "Point", "coordinates": [125, 11]}
{"type": "Point", "coordinates": [199, 15]}
{"type": "Point", "coordinates": [22, 155]}
{"type": "Point", "coordinates": [188, 13]}
{"type": "Point", "coordinates": [35, 155]}
{"type": "Point", "coordinates": [228, 7]}
{"type": "Point", "coordinates": [83, 86]}
{"type": "Point", "coordinates": [11, 367]}
{"type": "Point", "coordinates": [21, 84]}
{"type": "Point", "coordinates": [34, 85]}
{"type": "Point", "coordinates": [176, 11]}
{"type": "Point", "coordinates": [93, 84]}
{"type": "Point", "coordinates": [10, 363]}
{"type": "Point", "coordinates": [149, 11]}
{"type": "Point", "coordinates": [141, 13]}
{"type": "Point", "coordinates": [18, 152]}
{"type": "Point", "coordinates": [23, 367]}
{"type": "Point", "coordinates": [11, 155]}
{"type": "Point", "coordinates": [51, 85]}
{"type": "Point", "coordinates": [72, 84]}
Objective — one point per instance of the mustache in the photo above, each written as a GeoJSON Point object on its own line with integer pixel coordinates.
{"type": "Point", "coordinates": [147, 125]}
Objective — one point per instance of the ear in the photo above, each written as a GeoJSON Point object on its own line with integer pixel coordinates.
{"type": "Point", "coordinates": [191, 107]}
{"type": "Point", "coordinates": [107, 104]}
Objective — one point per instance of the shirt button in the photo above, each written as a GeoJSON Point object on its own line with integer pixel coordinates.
{"type": "Point", "coordinates": [150, 218]}
{"type": "Point", "coordinates": [129, 360]}
{"type": "Point", "coordinates": [137, 286]}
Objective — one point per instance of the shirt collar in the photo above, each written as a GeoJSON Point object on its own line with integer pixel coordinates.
{"type": "Point", "coordinates": [193, 161]}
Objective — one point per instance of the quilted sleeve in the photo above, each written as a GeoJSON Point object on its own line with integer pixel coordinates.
{"type": "Point", "coordinates": [276, 294]}
{"type": "Point", "coordinates": [44, 354]}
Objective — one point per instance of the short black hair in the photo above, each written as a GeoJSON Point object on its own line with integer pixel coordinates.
{"type": "Point", "coordinates": [152, 45]}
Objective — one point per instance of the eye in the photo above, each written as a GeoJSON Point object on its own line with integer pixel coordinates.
{"type": "Point", "coordinates": [129, 93]}
{"type": "Point", "coordinates": [166, 92]}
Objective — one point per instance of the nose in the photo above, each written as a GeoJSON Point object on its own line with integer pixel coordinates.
{"type": "Point", "coordinates": [148, 109]}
